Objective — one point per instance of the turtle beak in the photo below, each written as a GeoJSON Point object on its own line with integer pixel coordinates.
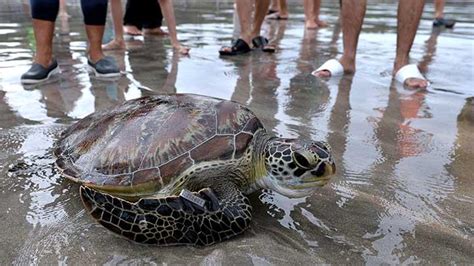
{"type": "Point", "coordinates": [321, 175]}
{"type": "Point", "coordinates": [331, 168]}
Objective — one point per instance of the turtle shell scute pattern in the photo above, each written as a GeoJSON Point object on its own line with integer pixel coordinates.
{"type": "Point", "coordinates": [153, 139]}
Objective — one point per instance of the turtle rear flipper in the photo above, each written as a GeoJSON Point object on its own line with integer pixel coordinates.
{"type": "Point", "coordinates": [173, 220]}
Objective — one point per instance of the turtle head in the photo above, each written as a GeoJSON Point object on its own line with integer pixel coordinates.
{"type": "Point", "coordinates": [295, 167]}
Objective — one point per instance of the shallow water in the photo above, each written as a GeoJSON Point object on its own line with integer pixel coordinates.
{"type": "Point", "coordinates": [404, 188]}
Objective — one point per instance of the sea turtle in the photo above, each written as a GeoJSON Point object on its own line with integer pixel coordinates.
{"type": "Point", "coordinates": [174, 169]}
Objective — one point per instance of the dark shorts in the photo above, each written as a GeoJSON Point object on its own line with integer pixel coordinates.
{"type": "Point", "coordinates": [94, 11]}
{"type": "Point", "coordinates": [143, 14]}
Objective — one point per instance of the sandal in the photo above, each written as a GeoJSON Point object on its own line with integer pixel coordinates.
{"type": "Point", "coordinates": [276, 16]}
{"type": "Point", "coordinates": [271, 11]}
{"type": "Point", "coordinates": [448, 23]}
{"type": "Point", "coordinates": [261, 43]}
{"type": "Point", "coordinates": [238, 47]}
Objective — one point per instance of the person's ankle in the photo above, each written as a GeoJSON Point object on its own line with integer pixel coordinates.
{"type": "Point", "coordinates": [95, 56]}
{"type": "Point", "coordinates": [247, 38]}
{"type": "Point", "coordinates": [311, 25]}
{"type": "Point", "coordinates": [44, 60]}
{"type": "Point", "coordinates": [399, 63]}
{"type": "Point", "coordinates": [348, 62]}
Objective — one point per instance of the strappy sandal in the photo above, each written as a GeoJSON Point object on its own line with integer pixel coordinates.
{"type": "Point", "coordinates": [261, 43]}
{"type": "Point", "coordinates": [238, 47]}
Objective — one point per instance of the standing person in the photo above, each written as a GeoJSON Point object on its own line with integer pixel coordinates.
{"type": "Point", "coordinates": [141, 14]}
{"type": "Point", "coordinates": [249, 32]}
{"type": "Point", "coordinates": [352, 16]}
{"type": "Point", "coordinates": [439, 16]}
{"type": "Point", "coordinates": [44, 13]}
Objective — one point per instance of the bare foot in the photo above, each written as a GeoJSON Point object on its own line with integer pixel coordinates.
{"type": "Point", "coordinates": [181, 49]}
{"type": "Point", "coordinates": [155, 31]}
{"type": "Point", "coordinates": [114, 45]}
{"type": "Point", "coordinates": [131, 30]}
{"type": "Point", "coordinates": [416, 83]}
{"type": "Point", "coordinates": [322, 23]}
{"type": "Point", "coordinates": [311, 25]}
{"type": "Point", "coordinates": [347, 64]}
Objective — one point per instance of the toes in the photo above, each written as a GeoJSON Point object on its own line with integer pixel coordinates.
{"type": "Point", "coordinates": [322, 74]}
{"type": "Point", "coordinates": [226, 49]}
{"type": "Point", "coordinates": [113, 45]}
{"type": "Point", "coordinates": [416, 83]}
{"type": "Point", "coordinates": [184, 50]}
{"type": "Point", "coordinates": [322, 23]}
{"type": "Point", "coordinates": [311, 26]}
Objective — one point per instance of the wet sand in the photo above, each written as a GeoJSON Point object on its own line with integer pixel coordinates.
{"type": "Point", "coordinates": [404, 188]}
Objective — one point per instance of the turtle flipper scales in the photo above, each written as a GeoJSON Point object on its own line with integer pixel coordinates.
{"type": "Point", "coordinates": [173, 220]}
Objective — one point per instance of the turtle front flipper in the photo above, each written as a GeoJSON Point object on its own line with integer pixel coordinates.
{"type": "Point", "coordinates": [174, 220]}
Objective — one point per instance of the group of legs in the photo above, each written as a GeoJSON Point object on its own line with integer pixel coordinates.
{"type": "Point", "coordinates": [146, 15]}
{"type": "Point", "coordinates": [352, 16]}
{"type": "Point", "coordinates": [141, 17]}
{"type": "Point", "coordinates": [279, 10]}
{"type": "Point", "coordinates": [250, 28]}
{"type": "Point", "coordinates": [408, 18]}
{"type": "Point", "coordinates": [45, 12]}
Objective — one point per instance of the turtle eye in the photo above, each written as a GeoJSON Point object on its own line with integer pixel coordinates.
{"type": "Point", "coordinates": [301, 160]}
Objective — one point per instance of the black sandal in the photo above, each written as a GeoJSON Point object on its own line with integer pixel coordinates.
{"type": "Point", "coordinates": [271, 11]}
{"type": "Point", "coordinates": [239, 47]}
{"type": "Point", "coordinates": [261, 43]}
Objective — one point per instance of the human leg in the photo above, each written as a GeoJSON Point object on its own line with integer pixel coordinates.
{"type": "Point", "coordinates": [95, 12]}
{"type": "Point", "coordinates": [281, 13]}
{"type": "Point", "coordinates": [244, 10]}
{"type": "Point", "coordinates": [283, 9]}
{"type": "Point", "coordinates": [168, 13]}
{"type": "Point", "coordinates": [44, 14]}
{"type": "Point", "coordinates": [439, 8]}
{"type": "Point", "coordinates": [352, 17]}
{"type": "Point", "coordinates": [274, 7]}
{"type": "Point", "coordinates": [261, 7]}
{"type": "Point", "coordinates": [409, 15]}
{"type": "Point", "coordinates": [117, 13]}
{"type": "Point", "coordinates": [439, 16]}
{"type": "Point", "coordinates": [44, 32]}
{"type": "Point", "coordinates": [311, 11]}
{"type": "Point", "coordinates": [242, 44]}
{"type": "Point", "coordinates": [62, 8]}
{"type": "Point", "coordinates": [309, 14]}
